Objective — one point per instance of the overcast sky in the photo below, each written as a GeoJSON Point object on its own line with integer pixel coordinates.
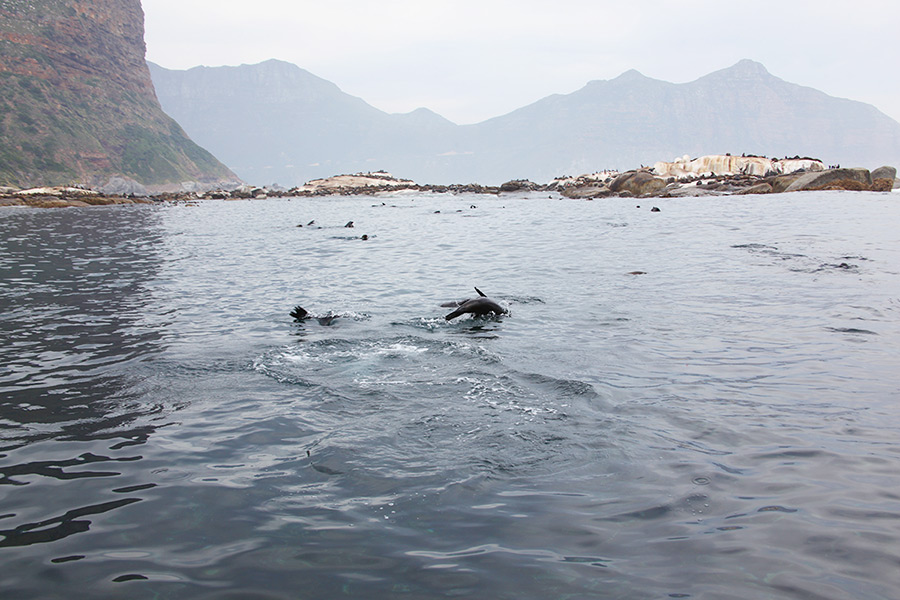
{"type": "Point", "coordinates": [471, 60]}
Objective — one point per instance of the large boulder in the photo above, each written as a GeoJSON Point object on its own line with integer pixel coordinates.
{"type": "Point", "coordinates": [885, 173]}
{"type": "Point", "coordinates": [833, 179]}
{"type": "Point", "coordinates": [781, 183]}
{"type": "Point", "coordinates": [884, 179]}
{"type": "Point", "coordinates": [586, 191]}
{"type": "Point", "coordinates": [638, 183]}
{"type": "Point", "coordinates": [520, 185]}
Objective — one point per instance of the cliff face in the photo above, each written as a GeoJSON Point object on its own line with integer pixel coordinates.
{"type": "Point", "coordinates": [78, 103]}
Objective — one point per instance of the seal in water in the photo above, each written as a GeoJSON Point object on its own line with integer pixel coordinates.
{"type": "Point", "coordinates": [477, 306]}
{"type": "Point", "coordinates": [300, 314]}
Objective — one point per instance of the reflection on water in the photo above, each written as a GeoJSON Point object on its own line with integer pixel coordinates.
{"type": "Point", "coordinates": [74, 303]}
{"type": "Point", "coordinates": [722, 426]}
{"type": "Point", "coordinates": [73, 327]}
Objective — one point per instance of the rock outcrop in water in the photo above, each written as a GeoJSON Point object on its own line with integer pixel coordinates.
{"type": "Point", "coordinates": [78, 104]}
{"type": "Point", "coordinates": [833, 179]}
{"type": "Point", "coordinates": [725, 175]}
{"type": "Point", "coordinates": [63, 197]}
{"type": "Point", "coordinates": [360, 183]}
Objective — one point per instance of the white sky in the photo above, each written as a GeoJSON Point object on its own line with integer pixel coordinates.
{"type": "Point", "coordinates": [470, 60]}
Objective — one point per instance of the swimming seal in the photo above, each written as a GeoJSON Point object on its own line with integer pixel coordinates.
{"type": "Point", "coordinates": [300, 314]}
{"type": "Point", "coordinates": [477, 306]}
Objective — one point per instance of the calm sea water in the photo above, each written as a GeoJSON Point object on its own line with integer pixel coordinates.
{"type": "Point", "coordinates": [725, 425]}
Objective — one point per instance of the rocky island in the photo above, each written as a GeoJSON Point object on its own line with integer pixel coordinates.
{"type": "Point", "coordinates": [714, 175]}
{"type": "Point", "coordinates": [718, 175]}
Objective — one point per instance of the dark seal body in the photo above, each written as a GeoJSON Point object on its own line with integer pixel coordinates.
{"type": "Point", "coordinates": [477, 306]}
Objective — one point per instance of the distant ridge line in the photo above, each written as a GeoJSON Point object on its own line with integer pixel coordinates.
{"type": "Point", "coordinates": [274, 122]}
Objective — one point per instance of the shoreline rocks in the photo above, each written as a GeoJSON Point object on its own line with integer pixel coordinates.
{"type": "Point", "coordinates": [833, 179]}
{"type": "Point", "coordinates": [724, 175]}
{"type": "Point", "coordinates": [63, 197]}
{"type": "Point", "coordinates": [681, 178]}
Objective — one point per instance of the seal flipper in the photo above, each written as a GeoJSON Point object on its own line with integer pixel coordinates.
{"type": "Point", "coordinates": [480, 293]}
{"type": "Point", "coordinates": [455, 313]}
{"type": "Point", "coordinates": [299, 313]}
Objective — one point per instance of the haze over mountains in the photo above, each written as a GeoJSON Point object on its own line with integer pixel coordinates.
{"type": "Point", "coordinates": [274, 122]}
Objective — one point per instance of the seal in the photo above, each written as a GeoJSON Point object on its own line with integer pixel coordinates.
{"type": "Point", "coordinates": [300, 314]}
{"type": "Point", "coordinates": [477, 306]}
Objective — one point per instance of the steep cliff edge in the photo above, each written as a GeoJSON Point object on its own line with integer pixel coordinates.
{"type": "Point", "coordinates": [78, 104]}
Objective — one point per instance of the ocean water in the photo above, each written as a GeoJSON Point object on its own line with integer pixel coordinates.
{"type": "Point", "coordinates": [701, 402]}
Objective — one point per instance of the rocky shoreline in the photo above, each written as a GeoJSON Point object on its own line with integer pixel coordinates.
{"type": "Point", "coordinates": [716, 175]}
{"type": "Point", "coordinates": [724, 175]}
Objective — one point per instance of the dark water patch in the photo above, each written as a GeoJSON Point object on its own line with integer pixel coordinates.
{"type": "Point", "coordinates": [57, 470]}
{"type": "Point", "coordinates": [843, 266]}
{"type": "Point", "coordinates": [851, 330]}
{"type": "Point", "coordinates": [855, 257]}
{"type": "Point", "coordinates": [754, 247]}
{"type": "Point", "coordinates": [135, 488]}
{"type": "Point", "coordinates": [130, 577]}
{"type": "Point", "coordinates": [777, 509]}
{"type": "Point", "coordinates": [522, 299]}
{"type": "Point", "coordinates": [66, 559]}
{"type": "Point", "coordinates": [58, 528]}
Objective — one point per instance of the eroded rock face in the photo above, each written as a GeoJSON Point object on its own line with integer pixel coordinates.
{"type": "Point", "coordinates": [79, 103]}
{"type": "Point", "coordinates": [885, 173]}
{"type": "Point", "coordinates": [717, 164]}
{"type": "Point", "coordinates": [837, 179]}
{"type": "Point", "coordinates": [759, 188]}
{"type": "Point", "coordinates": [585, 192]}
{"type": "Point", "coordinates": [884, 179]}
{"type": "Point", "coordinates": [637, 183]}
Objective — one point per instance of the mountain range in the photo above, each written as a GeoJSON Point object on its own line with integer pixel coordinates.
{"type": "Point", "coordinates": [78, 104]}
{"type": "Point", "coordinates": [81, 104]}
{"type": "Point", "coordinates": [274, 122]}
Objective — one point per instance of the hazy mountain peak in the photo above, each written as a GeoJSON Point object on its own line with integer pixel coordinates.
{"type": "Point", "coordinates": [746, 70]}
{"type": "Point", "coordinates": [425, 115]}
{"type": "Point", "coordinates": [630, 75]}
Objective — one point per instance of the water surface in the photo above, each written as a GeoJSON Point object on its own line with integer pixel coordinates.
{"type": "Point", "coordinates": [722, 425]}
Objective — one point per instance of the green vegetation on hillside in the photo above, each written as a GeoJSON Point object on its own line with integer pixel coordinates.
{"type": "Point", "coordinates": [78, 105]}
